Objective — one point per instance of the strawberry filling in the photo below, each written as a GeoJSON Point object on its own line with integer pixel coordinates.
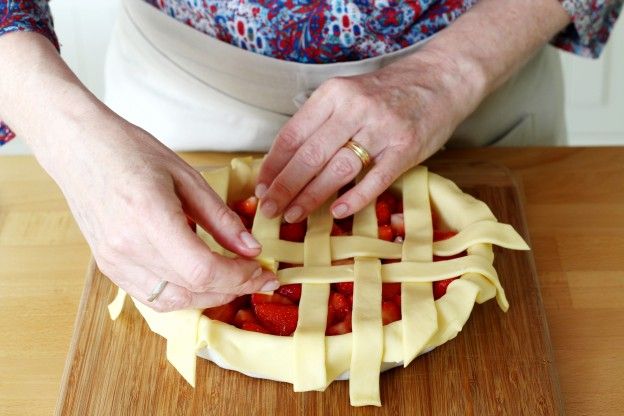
{"type": "Point", "coordinates": [277, 313]}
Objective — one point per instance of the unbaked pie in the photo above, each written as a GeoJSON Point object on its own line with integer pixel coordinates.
{"type": "Point", "coordinates": [358, 295]}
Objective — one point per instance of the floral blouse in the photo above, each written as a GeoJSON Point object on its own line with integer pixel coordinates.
{"type": "Point", "coordinates": [325, 31]}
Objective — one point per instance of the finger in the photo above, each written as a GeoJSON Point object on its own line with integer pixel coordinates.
{"type": "Point", "coordinates": [314, 112]}
{"type": "Point", "coordinates": [340, 170]}
{"type": "Point", "coordinates": [200, 268]}
{"type": "Point", "coordinates": [309, 160]}
{"type": "Point", "coordinates": [209, 211]}
{"type": "Point", "coordinates": [172, 297]}
{"type": "Point", "coordinates": [388, 167]}
{"type": "Point", "coordinates": [139, 282]}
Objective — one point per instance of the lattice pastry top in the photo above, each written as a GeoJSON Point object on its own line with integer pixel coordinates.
{"type": "Point", "coordinates": [360, 355]}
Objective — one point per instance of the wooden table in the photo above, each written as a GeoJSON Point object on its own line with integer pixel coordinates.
{"type": "Point", "coordinates": [575, 209]}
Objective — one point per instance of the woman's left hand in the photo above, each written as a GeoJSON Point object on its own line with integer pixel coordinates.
{"type": "Point", "coordinates": [401, 114]}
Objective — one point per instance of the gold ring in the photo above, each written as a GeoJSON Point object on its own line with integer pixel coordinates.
{"type": "Point", "coordinates": [359, 151]}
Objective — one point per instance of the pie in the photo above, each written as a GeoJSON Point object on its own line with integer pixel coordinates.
{"type": "Point", "coordinates": [358, 296]}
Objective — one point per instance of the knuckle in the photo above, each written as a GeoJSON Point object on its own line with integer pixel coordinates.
{"type": "Point", "coordinates": [267, 171]}
{"type": "Point", "coordinates": [201, 276]}
{"type": "Point", "coordinates": [359, 197]}
{"type": "Point", "coordinates": [225, 217]}
{"type": "Point", "coordinates": [288, 139]}
{"type": "Point", "coordinates": [312, 156]}
{"type": "Point", "coordinates": [381, 179]}
{"type": "Point", "coordinates": [338, 85]}
{"type": "Point", "coordinates": [366, 101]}
{"type": "Point", "coordinates": [308, 201]}
{"type": "Point", "coordinates": [282, 189]}
{"type": "Point", "coordinates": [342, 167]}
{"type": "Point", "coordinates": [178, 300]}
{"type": "Point", "coordinates": [118, 243]}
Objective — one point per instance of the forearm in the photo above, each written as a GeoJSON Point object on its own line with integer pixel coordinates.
{"type": "Point", "coordinates": [40, 98]}
{"type": "Point", "coordinates": [486, 45]}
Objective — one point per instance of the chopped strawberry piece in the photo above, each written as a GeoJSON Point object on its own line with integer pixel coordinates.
{"type": "Point", "coordinates": [439, 235]}
{"type": "Point", "coordinates": [398, 224]}
{"type": "Point", "coordinates": [389, 290]}
{"type": "Point", "coordinates": [383, 212]}
{"type": "Point", "coordinates": [284, 265]}
{"type": "Point", "coordinates": [331, 317]}
{"type": "Point", "coordinates": [390, 312]}
{"type": "Point", "coordinates": [340, 328]}
{"type": "Point", "coordinates": [339, 305]}
{"type": "Point", "coordinates": [346, 224]}
{"type": "Point", "coordinates": [241, 302]}
{"type": "Point", "coordinates": [278, 319]}
{"type": "Point", "coordinates": [247, 221]}
{"type": "Point", "coordinates": [338, 231]}
{"type": "Point", "coordinates": [224, 313]}
{"type": "Point", "coordinates": [435, 219]}
{"type": "Point", "coordinates": [191, 223]}
{"type": "Point", "coordinates": [389, 199]}
{"type": "Point", "coordinates": [244, 316]}
{"type": "Point", "coordinates": [439, 287]}
{"type": "Point", "coordinates": [385, 232]}
{"type": "Point", "coordinates": [254, 327]}
{"type": "Point", "coordinates": [346, 288]}
{"type": "Point", "coordinates": [345, 188]}
{"type": "Point", "coordinates": [261, 298]}
{"type": "Point", "coordinates": [397, 300]}
{"type": "Point", "coordinates": [293, 232]}
{"type": "Point", "coordinates": [399, 208]}
{"type": "Point", "coordinates": [292, 292]}
{"type": "Point", "coordinates": [246, 207]}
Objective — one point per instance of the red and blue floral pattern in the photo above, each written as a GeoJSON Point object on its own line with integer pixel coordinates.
{"type": "Point", "coordinates": [314, 31]}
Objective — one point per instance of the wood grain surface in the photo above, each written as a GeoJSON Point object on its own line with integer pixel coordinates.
{"type": "Point", "coordinates": [500, 363]}
{"type": "Point", "coordinates": [575, 212]}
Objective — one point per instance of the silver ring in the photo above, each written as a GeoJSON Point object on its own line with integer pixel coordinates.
{"type": "Point", "coordinates": [158, 289]}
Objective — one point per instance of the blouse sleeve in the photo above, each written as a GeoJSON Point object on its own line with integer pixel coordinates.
{"type": "Point", "coordinates": [27, 16]}
{"type": "Point", "coordinates": [592, 22]}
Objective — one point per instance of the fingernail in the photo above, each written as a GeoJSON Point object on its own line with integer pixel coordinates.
{"type": "Point", "coordinates": [339, 210]}
{"type": "Point", "coordinates": [261, 190]}
{"type": "Point", "coordinates": [257, 273]}
{"type": "Point", "coordinates": [293, 214]}
{"type": "Point", "coordinates": [269, 208]}
{"type": "Point", "coordinates": [269, 286]}
{"type": "Point", "coordinates": [249, 240]}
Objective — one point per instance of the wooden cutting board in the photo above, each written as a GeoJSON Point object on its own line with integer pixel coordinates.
{"type": "Point", "coordinates": [501, 363]}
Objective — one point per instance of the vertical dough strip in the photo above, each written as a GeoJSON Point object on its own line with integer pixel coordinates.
{"type": "Point", "coordinates": [309, 337]}
{"type": "Point", "coordinates": [418, 310]}
{"type": "Point", "coordinates": [367, 349]}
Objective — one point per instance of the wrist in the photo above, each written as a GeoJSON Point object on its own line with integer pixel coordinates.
{"type": "Point", "coordinates": [457, 79]}
{"type": "Point", "coordinates": [66, 126]}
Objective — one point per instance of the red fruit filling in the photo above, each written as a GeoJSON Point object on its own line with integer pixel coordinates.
{"type": "Point", "coordinates": [277, 313]}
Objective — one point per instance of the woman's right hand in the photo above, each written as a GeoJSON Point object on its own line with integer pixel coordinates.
{"type": "Point", "coordinates": [129, 193]}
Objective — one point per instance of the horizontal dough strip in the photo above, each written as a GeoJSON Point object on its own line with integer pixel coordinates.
{"type": "Point", "coordinates": [345, 247]}
{"type": "Point", "coordinates": [481, 232]}
{"type": "Point", "coordinates": [407, 271]}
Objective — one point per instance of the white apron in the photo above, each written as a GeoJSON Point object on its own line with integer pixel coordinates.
{"type": "Point", "coordinates": [194, 92]}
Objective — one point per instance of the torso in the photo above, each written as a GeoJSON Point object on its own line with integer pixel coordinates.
{"type": "Point", "coordinates": [317, 31]}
